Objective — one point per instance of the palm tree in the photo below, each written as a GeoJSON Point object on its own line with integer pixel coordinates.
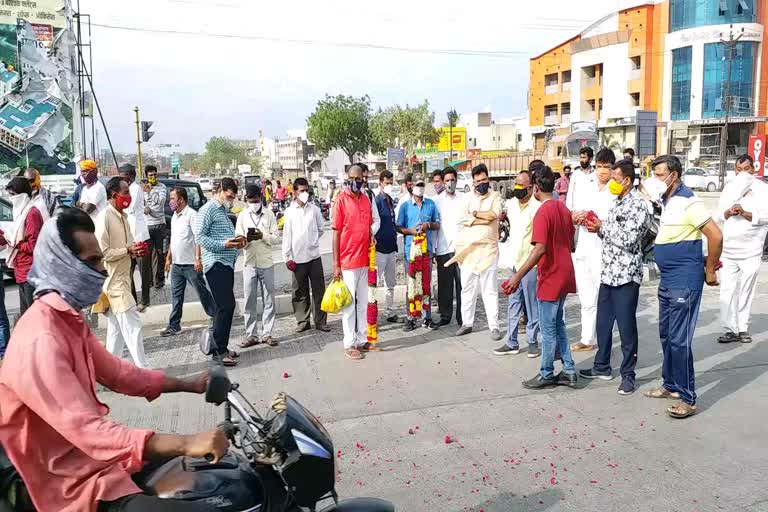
{"type": "Point", "coordinates": [453, 118]}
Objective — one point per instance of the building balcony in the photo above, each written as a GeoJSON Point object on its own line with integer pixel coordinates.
{"type": "Point", "coordinates": [566, 119]}
{"type": "Point", "coordinates": [588, 82]}
{"type": "Point", "coordinates": [636, 74]}
{"type": "Point", "coordinates": [551, 119]}
{"type": "Point", "coordinates": [588, 116]}
{"type": "Point", "coordinates": [552, 89]}
{"type": "Point", "coordinates": [566, 86]}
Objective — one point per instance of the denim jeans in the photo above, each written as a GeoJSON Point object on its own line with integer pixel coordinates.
{"type": "Point", "coordinates": [552, 325]}
{"type": "Point", "coordinates": [180, 276]}
{"type": "Point", "coordinates": [5, 326]}
{"type": "Point", "coordinates": [522, 301]}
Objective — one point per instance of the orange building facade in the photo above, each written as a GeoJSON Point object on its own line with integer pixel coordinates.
{"type": "Point", "coordinates": [660, 56]}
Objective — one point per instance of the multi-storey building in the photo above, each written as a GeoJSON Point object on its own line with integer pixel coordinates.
{"type": "Point", "coordinates": [662, 56]}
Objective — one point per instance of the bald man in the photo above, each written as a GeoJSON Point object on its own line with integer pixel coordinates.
{"type": "Point", "coordinates": [43, 198]}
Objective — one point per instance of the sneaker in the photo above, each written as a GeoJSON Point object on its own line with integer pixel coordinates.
{"type": "Point", "coordinates": [495, 335]}
{"type": "Point", "coordinates": [409, 326]}
{"type": "Point", "coordinates": [729, 337]}
{"type": "Point", "coordinates": [505, 350]}
{"type": "Point", "coordinates": [533, 351]}
{"type": "Point", "coordinates": [539, 382]}
{"type": "Point", "coordinates": [744, 337]}
{"type": "Point", "coordinates": [169, 331]}
{"type": "Point", "coordinates": [627, 387]}
{"type": "Point", "coordinates": [567, 379]}
{"type": "Point", "coordinates": [430, 324]}
{"type": "Point", "coordinates": [592, 374]}
{"type": "Point", "coordinates": [464, 329]}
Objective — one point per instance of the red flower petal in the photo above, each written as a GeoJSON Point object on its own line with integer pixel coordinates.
{"type": "Point", "coordinates": [285, 375]}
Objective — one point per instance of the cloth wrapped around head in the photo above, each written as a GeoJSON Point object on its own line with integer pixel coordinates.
{"type": "Point", "coordinates": [88, 165]}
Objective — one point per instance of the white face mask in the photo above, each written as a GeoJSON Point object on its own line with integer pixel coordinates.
{"type": "Point", "coordinates": [655, 188]}
{"type": "Point", "coordinates": [743, 181]}
{"type": "Point", "coordinates": [254, 207]}
{"type": "Point", "coordinates": [418, 191]}
{"type": "Point", "coordinates": [388, 190]}
{"type": "Point", "coordinates": [304, 197]}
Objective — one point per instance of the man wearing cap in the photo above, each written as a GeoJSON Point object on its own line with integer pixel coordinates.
{"type": "Point", "coordinates": [258, 225]}
{"type": "Point", "coordinates": [93, 197]}
{"type": "Point", "coordinates": [140, 232]}
{"type": "Point", "coordinates": [418, 216]}
{"type": "Point", "coordinates": [43, 199]}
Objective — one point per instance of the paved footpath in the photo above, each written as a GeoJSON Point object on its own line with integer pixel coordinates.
{"type": "Point", "coordinates": [513, 449]}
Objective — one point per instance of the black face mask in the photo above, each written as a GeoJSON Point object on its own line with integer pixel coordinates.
{"type": "Point", "coordinates": [482, 188]}
{"type": "Point", "coordinates": [584, 165]}
{"type": "Point", "coordinates": [520, 193]}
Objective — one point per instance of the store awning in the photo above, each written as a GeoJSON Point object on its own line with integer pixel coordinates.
{"type": "Point", "coordinates": [456, 162]}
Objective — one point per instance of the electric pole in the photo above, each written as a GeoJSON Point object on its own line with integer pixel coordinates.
{"type": "Point", "coordinates": [730, 45]}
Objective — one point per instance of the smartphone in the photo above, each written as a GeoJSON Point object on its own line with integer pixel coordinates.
{"type": "Point", "coordinates": [251, 232]}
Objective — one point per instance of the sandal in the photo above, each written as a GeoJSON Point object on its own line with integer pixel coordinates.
{"type": "Point", "coordinates": [662, 392]}
{"type": "Point", "coordinates": [269, 340]}
{"type": "Point", "coordinates": [681, 410]}
{"type": "Point", "coordinates": [728, 337]}
{"type": "Point", "coordinates": [744, 337]}
{"type": "Point", "coordinates": [250, 341]}
{"type": "Point", "coordinates": [228, 361]}
{"type": "Point", "coordinates": [353, 354]}
{"type": "Point", "coordinates": [369, 347]}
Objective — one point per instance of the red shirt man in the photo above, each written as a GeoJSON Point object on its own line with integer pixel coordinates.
{"type": "Point", "coordinates": [553, 228]}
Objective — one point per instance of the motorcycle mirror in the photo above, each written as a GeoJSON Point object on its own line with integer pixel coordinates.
{"type": "Point", "coordinates": [218, 386]}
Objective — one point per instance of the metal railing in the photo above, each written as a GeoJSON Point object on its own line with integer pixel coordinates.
{"type": "Point", "coordinates": [552, 89]}
{"type": "Point", "coordinates": [566, 86]}
{"type": "Point", "coordinates": [551, 119]}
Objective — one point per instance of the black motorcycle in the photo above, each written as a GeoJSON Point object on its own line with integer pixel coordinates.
{"type": "Point", "coordinates": [285, 461]}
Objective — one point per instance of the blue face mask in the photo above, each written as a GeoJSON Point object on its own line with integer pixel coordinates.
{"type": "Point", "coordinates": [482, 188]}
{"type": "Point", "coordinates": [355, 186]}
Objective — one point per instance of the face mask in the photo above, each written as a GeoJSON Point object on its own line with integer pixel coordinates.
{"type": "Point", "coordinates": [254, 207]}
{"type": "Point", "coordinates": [655, 188]}
{"type": "Point", "coordinates": [152, 180]}
{"type": "Point", "coordinates": [615, 188]}
{"type": "Point", "coordinates": [482, 188]}
{"type": "Point", "coordinates": [743, 181]}
{"type": "Point", "coordinates": [304, 197]}
{"type": "Point", "coordinates": [584, 165]}
{"type": "Point", "coordinates": [418, 191]}
{"type": "Point", "coordinates": [227, 203]}
{"type": "Point", "coordinates": [123, 201]}
{"type": "Point", "coordinates": [439, 187]}
{"type": "Point", "coordinates": [19, 200]}
{"type": "Point", "coordinates": [174, 205]}
{"type": "Point", "coordinates": [388, 190]}
{"type": "Point", "coordinates": [91, 177]}
{"type": "Point", "coordinates": [355, 186]}
{"type": "Point", "coordinates": [450, 187]}
{"type": "Point", "coordinates": [520, 193]}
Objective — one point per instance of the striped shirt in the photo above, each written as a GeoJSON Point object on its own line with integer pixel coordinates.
{"type": "Point", "coordinates": [212, 230]}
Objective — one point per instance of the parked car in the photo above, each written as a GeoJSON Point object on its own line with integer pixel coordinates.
{"type": "Point", "coordinates": [698, 178]}
{"type": "Point", "coordinates": [464, 183]}
{"type": "Point", "coordinates": [205, 184]}
{"type": "Point", "coordinates": [195, 198]}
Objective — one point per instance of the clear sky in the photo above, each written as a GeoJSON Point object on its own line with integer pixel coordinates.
{"type": "Point", "coordinates": [195, 87]}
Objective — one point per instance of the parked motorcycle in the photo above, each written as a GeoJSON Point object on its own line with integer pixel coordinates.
{"type": "Point", "coordinates": [284, 463]}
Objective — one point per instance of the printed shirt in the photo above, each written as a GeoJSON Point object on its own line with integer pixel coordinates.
{"type": "Point", "coordinates": [136, 218]}
{"type": "Point", "coordinates": [353, 218]}
{"type": "Point", "coordinates": [258, 253]}
{"type": "Point", "coordinates": [678, 251]}
{"type": "Point", "coordinates": [53, 427]}
{"type": "Point", "coordinates": [386, 236]}
{"type": "Point", "coordinates": [183, 236]}
{"type": "Point", "coordinates": [410, 214]}
{"type": "Point", "coordinates": [302, 229]}
{"type": "Point", "coordinates": [741, 238]}
{"type": "Point", "coordinates": [213, 228]}
{"type": "Point", "coordinates": [477, 247]}
{"type": "Point", "coordinates": [622, 233]}
{"type": "Point", "coordinates": [156, 198]}
{"type": "Point", "coordinates": [552, 226]}
{"type": "Point", "coordinates": [114, 236]}
{"type": "Point", "coordinates": [518, 245]}
{"type": "Point", "coordinates": [451, 209]}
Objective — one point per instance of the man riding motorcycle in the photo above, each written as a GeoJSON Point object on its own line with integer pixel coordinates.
{"type": "Point", "coordinates": [53, 427]}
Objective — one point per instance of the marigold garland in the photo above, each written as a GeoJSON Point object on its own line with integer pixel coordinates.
{"type": "Point", "coordinates": [418, 277]}
{"type": "Point", "coordinates": [373, 308]}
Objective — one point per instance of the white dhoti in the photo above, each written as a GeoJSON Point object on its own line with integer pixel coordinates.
{"type": "Point", "coordinates": [738, 282]}
{"type": "Point", "coordinates": [125, 328]}
{"type": "Point", "coordinates": [354, 317]}
{"type": "Point", "coordinates": [486, 283]}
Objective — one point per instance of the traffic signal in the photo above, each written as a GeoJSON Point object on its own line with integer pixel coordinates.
{"type": "Point", "coordinates": [145, 133]}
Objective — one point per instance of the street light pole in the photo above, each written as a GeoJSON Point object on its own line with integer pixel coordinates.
{"type": "Point", "coordinates": [730, 45]}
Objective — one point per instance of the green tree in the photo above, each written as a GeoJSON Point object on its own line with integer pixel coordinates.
{"type": "Point", "coordinates": [222, 151]}
{"type": "Point", "coordinates": [453, 119]}
{"type": "Point", "coordinates": [340, 122]}
{"type": "Point", "coordinates": [403, 127]}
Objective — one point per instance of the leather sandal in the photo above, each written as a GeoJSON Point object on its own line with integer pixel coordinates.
{"type": "Point", "coordinates": [369, 347]}
{"type": "Point", "coordinates": [662, 392]}
{"type": "Point", "coordinates": [250, 341]}
{"type": "Point", "coordinates": [353, 354]}
{"type": "Point", "coordinates": [681, 410]}
{"type": "Point", "coordinates": [270, 341]}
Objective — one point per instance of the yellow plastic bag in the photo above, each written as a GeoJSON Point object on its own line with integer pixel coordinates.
{"type": "Point", "coordinates": [336, 297]}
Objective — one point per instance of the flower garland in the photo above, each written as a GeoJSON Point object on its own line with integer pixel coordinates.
{"type": "Point", "coordinates": [373, 307]}
{"type": "Point", "coordinates": [418, 277]}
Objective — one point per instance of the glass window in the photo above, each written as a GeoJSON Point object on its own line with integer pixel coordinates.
{"type": "Point", "coordinates": [697, 13]}
{"type": "Point", "coordinates": [742, 80]}
{"type": "Point", "coordinates": [681, 83]}
{"type": "Point", "coordinates": [6, 212]}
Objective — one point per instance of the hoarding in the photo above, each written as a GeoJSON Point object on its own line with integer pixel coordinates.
{"type": "Point", "coordinates": [395, 157]}
{"type": "Point", "coordinates": [756, 149]}
{"type": "Point", "coordinates": [458, 135]}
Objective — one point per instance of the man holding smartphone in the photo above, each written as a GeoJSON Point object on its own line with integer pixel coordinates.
{"type": "Point", "coordinates": [215, 234]}
{"type": "Point", "coordinates": [258, 225]}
